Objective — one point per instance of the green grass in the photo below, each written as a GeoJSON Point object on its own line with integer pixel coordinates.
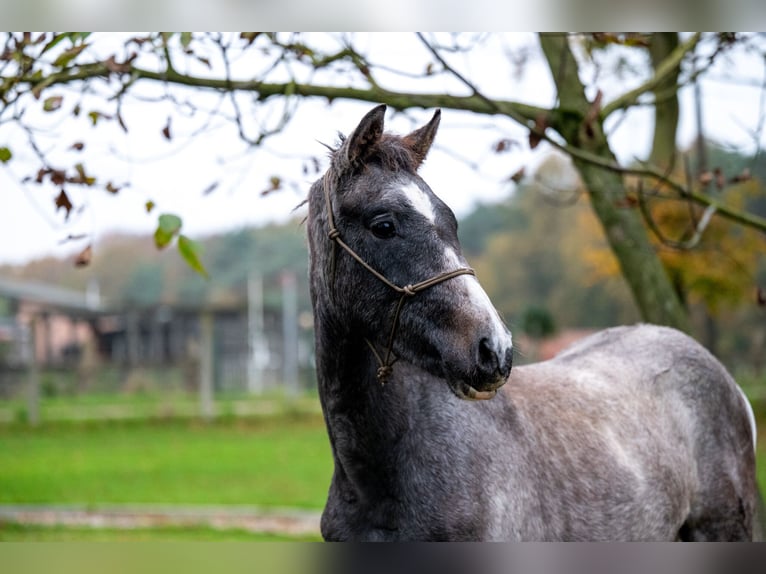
{"type": "Point", "coordinates": [274, 461]}
{"type": "Point", "coordinates": [277, 461]}
{"type": "Point", "coordinates": [27, 533]}
{"type": "Point", "coordinates": [156, 404]}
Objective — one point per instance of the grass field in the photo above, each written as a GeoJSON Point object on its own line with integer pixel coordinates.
{"type": "Point", "coordinates": [272, 461]}
{"type": "Point", "coordinates": [152, 405]}
{"type": "Point", "coordinates": [276, 461]}
{"type": "Point", "coordinates": [34, 533]}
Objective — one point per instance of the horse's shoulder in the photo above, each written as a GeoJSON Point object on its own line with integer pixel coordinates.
{"type": "Point", "coordinates": [608, 361]}
{"type": "Point", "coordinates": [630, 341]}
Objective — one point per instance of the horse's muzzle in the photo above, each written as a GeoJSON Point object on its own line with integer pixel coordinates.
{"type": "Point", "coordinates": [493, 364]}
{"type": "Point", "coordinates": [491, 369]}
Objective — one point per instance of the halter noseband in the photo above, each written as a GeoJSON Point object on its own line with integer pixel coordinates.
{"type": "Point", "coordinates": [385, 362]}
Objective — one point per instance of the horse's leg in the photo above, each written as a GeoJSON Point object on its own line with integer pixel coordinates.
{"type": "Point", "coordinates": [714, 528]}
{"type": "Point", "coordinates": [721, 514]}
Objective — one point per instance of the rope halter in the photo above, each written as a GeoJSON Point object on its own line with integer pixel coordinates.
{"type": "Point", "coordinates": [387, 360]}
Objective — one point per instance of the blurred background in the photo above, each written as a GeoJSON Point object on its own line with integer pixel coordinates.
{"type": "Point", "coordinates": [156, 346]}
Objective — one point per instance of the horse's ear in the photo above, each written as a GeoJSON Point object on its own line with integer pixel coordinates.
{"type": "Point", "coordinates": [357, 147]}
{"type": "Point", "coordinates": [421, 139]}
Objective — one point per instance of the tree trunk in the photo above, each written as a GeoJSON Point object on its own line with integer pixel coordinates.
{"type": "Point", "coordinates": [641, 267]}
{"type": "Point", "coordinates": [666, 107]}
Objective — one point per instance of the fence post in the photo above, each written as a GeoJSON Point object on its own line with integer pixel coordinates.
{"type": "Point", "coordinates": [290, 332]}
{"type": "Point", "coordinates": [33, 374]}
{"type": "Point", "coordinates": [207, 342]}
{"type": "Point", "coordinates": [255, 333]}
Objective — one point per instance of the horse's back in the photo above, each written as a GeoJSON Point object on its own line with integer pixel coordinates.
{"type": "Point", "coordinates": [655, 409]}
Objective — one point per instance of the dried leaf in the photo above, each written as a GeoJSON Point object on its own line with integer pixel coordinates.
{"type": "Point", "coordinates": [73, 237]}
{"type": "Point", "coordinates": [78, 146]}
{"type": "Point", "coordinates": [518, 175]}
{"type": "Point", "coordinates": [82, 178]}
{"type": "Point", "coordinates": [191, 251]}
{"type": "Point", "coordinates": [249, 37]}
{"type": "Point", "coordinates": [69, 55]}
{"type": "Point", "coordinates": [505, 144]}
{"type": "Point", "coordinates": [95, 116]}
{"type": "Point", "coordinates": [58, 176]}
{"type": "Point", "coordinates": [210, 188]}
{"type": "Point", "coordinates": [62, 202]}
{"type": "Point", "coordinates": [116, 67]}
{"type": "Point", "coordinates": [720, 180]}
{"type": "Point", "coordinates": [111, 188]}
{"type": "Point", "coordinates": [166, 130]}
{"type": "Point", "coordinates": [149, 205]}
{"type": "Point", "coordinates": [84, 257]}
{"type": "Point", "coordinates": [52, 104]}
{"type": "Point", "coordinates": [742, 177]}
{"type": "Point", "coordinates": [275, 183]}
{"type": "Point", "coordinates": [536, 134]}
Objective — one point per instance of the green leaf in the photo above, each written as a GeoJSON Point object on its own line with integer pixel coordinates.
{"type": "Point", "coordinates": [69, 55]}
{"type": "Point", "coordinates": [168, 227]}
{"type": "Point", "coordinates": [5, 154]}
{"type": "Point", "coordinates": [186, 38]}
{"type": "Point", "coordinates": [56, 39]}
{"type": "Point", "coordinates": [191, 250]}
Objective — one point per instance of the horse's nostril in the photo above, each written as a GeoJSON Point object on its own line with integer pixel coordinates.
{"type": "Point", "coordinates": [493, 362]}
{"type": "Point", "coordinates": [487, 357]}
{"type": "Point", "coordinates": [508, 363]}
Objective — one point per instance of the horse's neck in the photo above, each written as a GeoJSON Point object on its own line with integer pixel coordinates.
{"type": "Point", "coordinates": [369, 424]}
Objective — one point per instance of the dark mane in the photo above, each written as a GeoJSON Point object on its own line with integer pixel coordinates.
{"type": "Point", "coordinates": [389, 152]}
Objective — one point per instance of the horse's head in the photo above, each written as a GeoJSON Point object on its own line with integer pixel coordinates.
{"type": "Point", "coordinates": [389, 217]}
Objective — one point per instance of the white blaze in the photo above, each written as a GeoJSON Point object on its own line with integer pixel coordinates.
{"type": "Point", "coordinates": [420, 201]}
{"type": "Point", "coordinates": [479, 301]}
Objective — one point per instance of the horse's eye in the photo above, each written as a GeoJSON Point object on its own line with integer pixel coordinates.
{"type": "Point", "coordinates": [383, 229]}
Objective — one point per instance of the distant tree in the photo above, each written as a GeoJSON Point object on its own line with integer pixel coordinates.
{"type": "Point", "coordinates": [537, 322]}
{"type": "Point", "coordinates": [144, 286]}
{"type": "Point", "coordinates": [558, 260]}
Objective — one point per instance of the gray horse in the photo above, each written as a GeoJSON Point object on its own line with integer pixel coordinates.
{"type": "Point", "coordinates": [635, 433]}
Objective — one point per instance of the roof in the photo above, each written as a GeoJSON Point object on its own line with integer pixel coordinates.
{"type": "Point", "coordinates": [50, 295]}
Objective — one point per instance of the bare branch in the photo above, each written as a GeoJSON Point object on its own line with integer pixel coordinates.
{"type": "Point", "coordinates": [699, 227]}
{"type": "Point", "coordinates": [671, 63]}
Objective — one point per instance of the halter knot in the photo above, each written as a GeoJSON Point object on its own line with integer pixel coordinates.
{"type": "Point", "coordinates": [334, 234]}
{"type": "Point", "coordinates": [409, 290]}
{"type": "Point", "coordinates": [384, 371]}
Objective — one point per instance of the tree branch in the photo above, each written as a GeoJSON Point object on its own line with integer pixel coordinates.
{"type": "Point", "coordinates": [672, 62]}
{"type": "Point", "coordinates": [477, 103]}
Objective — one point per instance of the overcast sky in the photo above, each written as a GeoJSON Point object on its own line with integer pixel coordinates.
{"type": "Point", "coordinates": [174, 174]}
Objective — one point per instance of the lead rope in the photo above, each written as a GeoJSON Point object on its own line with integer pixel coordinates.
{"type": "Point", "coordinates": [385, 362]}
